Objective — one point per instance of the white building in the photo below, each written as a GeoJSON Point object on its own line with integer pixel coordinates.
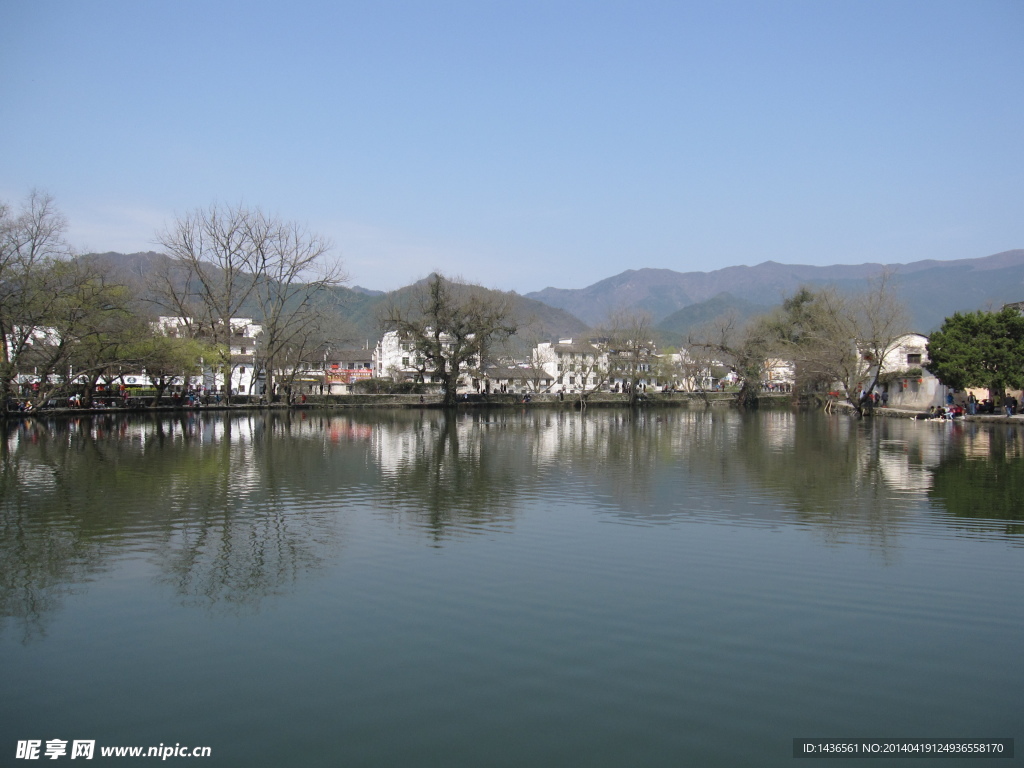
{"type": "Point", "coordinates": [242, 378]}
{"type": "Point", "coordinates": [396, 358]}
{"type": "Point", "coordinates": [344, 368]}
{"type": "Point", "coordinates": [778, 372]}
{"type": "Point", "coordinates": [682, 372]}
{"type": "Point", "coordinates": [908, 382]}
{"type": "Point", "coordinates": [518, 379]}
{"type": "Point", "coordinates": [576, 366]}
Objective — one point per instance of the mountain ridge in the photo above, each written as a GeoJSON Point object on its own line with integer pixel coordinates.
{"type": "Point", "coordinates": [923, 285]}
{"type": "Point", "coordinates": [931, 290]}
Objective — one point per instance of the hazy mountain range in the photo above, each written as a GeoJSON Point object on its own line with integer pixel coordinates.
{"type": "Point", "coordinates": [931, 290]}
{"type": "Point", "coordinates": [680, 301]}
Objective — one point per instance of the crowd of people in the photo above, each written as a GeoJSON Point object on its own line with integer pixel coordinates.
{"type": "Point", "coordinates": [971, 406]}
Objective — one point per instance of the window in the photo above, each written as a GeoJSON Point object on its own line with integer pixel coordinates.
{"type": "Point", "coordinates": [242, 369]}
{"type": "Point", "coordinates": [913, 358]}
{"type": "Point", "coordinates": [244, 351]}
{"type": "Point", "coordinates": [405, 362]}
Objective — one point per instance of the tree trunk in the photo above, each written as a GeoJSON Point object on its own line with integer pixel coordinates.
{"type": "Point", "coordinates": [747, 398]}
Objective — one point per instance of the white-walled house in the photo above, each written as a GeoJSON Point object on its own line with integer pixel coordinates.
{"type": "Point", "coordinates": [572, 365]}
{"type": "Point", "coordinates": [779, 372]}
{"type": "Point", "coordinates": [396, 358]}
{"type": "Point", "coordinates": [907, 381]}
{"type": "Point", "coordinates": [242, 343]}
{"type": "Point", "coordinates": [343, 368]}
{"type": "Point", "coordinates": [518, 379]}
{"type": "Point", "coordinates": [681, 372]}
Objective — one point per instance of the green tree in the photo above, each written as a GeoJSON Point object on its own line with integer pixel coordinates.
{"type": "Point", "coordinates": [167, 358]}
{"type": "Point", "coordinates": [96, 325]}
{"type": "Point", "coordinates": [979, 349]}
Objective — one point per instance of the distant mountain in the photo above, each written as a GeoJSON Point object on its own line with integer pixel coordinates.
{"type": "Point", "coordinates": [537, 321]}
{"type": "Point", "coordinates": [360, 308]}
{"type": "Point", "coordinates": [678, 301]}
{"type": "Point", "coordinates": [674, 328]}
{"type": "Point", "coordinates": [931, 290]}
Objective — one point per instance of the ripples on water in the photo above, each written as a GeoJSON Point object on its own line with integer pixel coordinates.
{"type": "Point", "coordinates": [509, 588]}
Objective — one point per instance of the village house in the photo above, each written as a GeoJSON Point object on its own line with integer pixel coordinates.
{"type": "Point", "coordinates": [575, 366]}
{"type": "Point", "coordinates": [241, 376]}
{"type": "Point", "coordinates": [343, 368]}
{"type": "Point", "coordinates": [519, 379]}
{"type": "Point", "coordinates": [396, 358]}
{"type": "Point", "coordinates": [904, 377]}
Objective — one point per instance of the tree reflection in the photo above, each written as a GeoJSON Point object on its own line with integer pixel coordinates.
{"type": "Point", "coordinates": [985, 480]}
{"type": "Point", "coordinates": [454, 474]}
{"type": "Point", "coordinates": [209, 499]}
{"type": "Point", "coordinates": [838, 476]}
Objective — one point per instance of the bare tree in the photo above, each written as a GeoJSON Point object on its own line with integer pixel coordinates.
{"type": "Point", "coordinates": [630, 350]}
{"type": "Point", "coordinates": [682, 369]}
{"type": "Point", "coordinates": [451, 327]}
{"type": "Point", "coordinates": [840, 340]}
{"type": "Point", "coordinates": [534, 377]}
{"type": "Point", "coordinates": [230, 261]}
{"type": "Point", "coordinates": [292, 297]}
{"type": "Point", "coordinates": [32, 248]}
{"type": "Point", "coordinates": [742, 349]}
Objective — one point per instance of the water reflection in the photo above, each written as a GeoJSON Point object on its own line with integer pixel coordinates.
{"type": "Point", "coordinates": [231, 510]}
{"type": "Point", "coordinates": [212, 502]}
{"type": "Point", "coordinates": [448, 474]}
{"type": "Point", "coordinates": [984, 479]}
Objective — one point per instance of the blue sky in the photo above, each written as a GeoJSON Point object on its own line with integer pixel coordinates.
{"type": "Point", "coordinates": [527, 144]}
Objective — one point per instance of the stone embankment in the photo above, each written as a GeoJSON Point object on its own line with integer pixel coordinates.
{"type": "Point", "coordinates": [496, 400]}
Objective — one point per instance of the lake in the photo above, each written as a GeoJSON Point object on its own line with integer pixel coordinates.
{"type": "Point", "coordinates": [508, 587]}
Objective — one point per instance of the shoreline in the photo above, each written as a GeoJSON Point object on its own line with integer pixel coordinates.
{"type": "Point", "coordinates": [349, 402]}
{"type": "Point", "coordinates": [915, 415]}
{"type": "Point", "coordinates": [768, 401]}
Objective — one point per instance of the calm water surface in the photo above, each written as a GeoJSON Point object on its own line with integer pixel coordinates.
{"type": "Point", "coordinates": [670, 588]}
